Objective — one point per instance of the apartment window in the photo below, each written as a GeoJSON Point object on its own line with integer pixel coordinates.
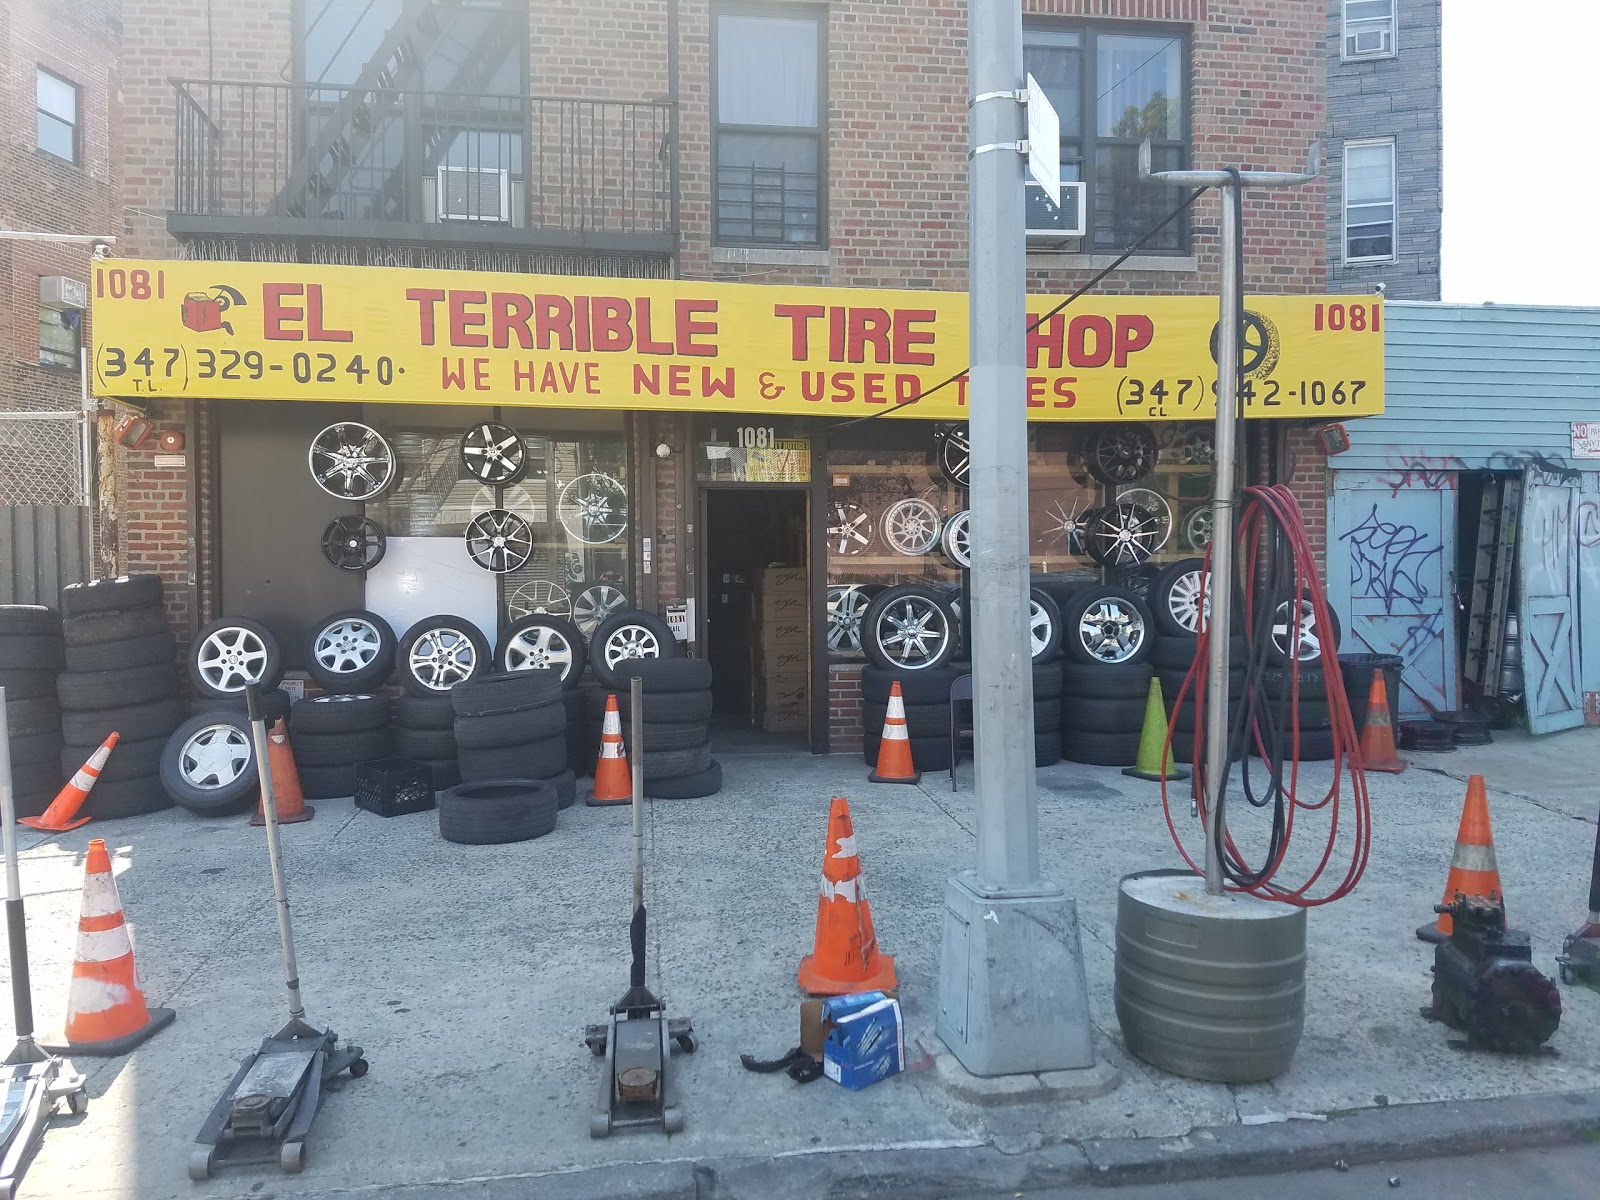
{"type": "Point", "coordinates": [60, 336]}
{"type": "Point", "coordinates": [1369, 201]}
{"type": "Point", "coordinates": [57, 102]}
{"type": "Point", "coordinates": [1368, 29]}
{"type": "Point", "coordinates": [1112, 88]}
{"type": "Point", "coordinates": [769, 164]}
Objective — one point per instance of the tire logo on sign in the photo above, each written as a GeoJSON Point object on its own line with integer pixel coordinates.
{"type": "Point", "coordinates": [1258, 347]}
{"type": "Point", "coordinates": [202, 311]}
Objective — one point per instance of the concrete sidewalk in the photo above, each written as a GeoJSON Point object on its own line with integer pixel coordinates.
{"type": "Point", "coordinates": [468, 974]}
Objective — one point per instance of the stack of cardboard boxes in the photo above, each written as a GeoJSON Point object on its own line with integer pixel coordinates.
{"type": "Point", "coordinates": [783, 651]}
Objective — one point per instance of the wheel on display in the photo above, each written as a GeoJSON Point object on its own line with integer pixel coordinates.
{"type": "Point", "coordinates": [1175, 598]}
{"type": "Point", "coordinates": [1194, 528]}
{"type": "Point", "coordinates": [594, 604]}
{"type": "Point", "coordinates": [1122, 453]}
{"type": "Point", "coordinates": [1122, 535]}
{"type": "Point", "coordinates": [1298, 635]}
{"type": "Point", "coordinates": [1065, 520]}
{"type": "Point", "coordinates": [847, 605]}
{"type": "Point", "coordinates": [1044, 626]}
{"type": "Point", "coordinates": [1106, 625]}
{"type": "Point", "coordinates": [1154, 503]}
{"type": "Point", "coordinates": [354, 543]}
{"type": "Point", "coordinates": [1198, 447]}
{"type": "Point", "coordinates": [231, 652]}
{"type": "Point", "coordinates": [494, 454]}
{"type": "Point", "coordinates": [594, 509]}
{"type": "Point", "coordinates": [956, 539]}
{"type": "Point", "coordinates": [351, 651]}
{"type": "Point", "coordinates": [909, 627]}
{"type": "Point", "coordinates": [352, 461]}
{"type": "Point", "coordinates": [952, 453]}
{"type": "Point", "coordinates": [629, 634]}
{"type": "Point", "coordinates": [439, 652]}
{"type": "Point", "coordinates": [499, 540]}
{"type": "Point", "coordinates": [208, 764]}
{"type": "Point", "coordinates": [539, 597]}
{"type": "Point", "coordinates": [849, 528]}
{"type": "Point", "coordinates": [911, 526]}
{"type": "Point", "coordinates": [543, 642]}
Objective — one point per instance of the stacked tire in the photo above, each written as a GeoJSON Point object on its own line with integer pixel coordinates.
{"type": "Point", "coordinates": [491, 812]}
{"type": "Point", "coordinates": [544, 642]}
{"type": "Point", "coordinates": [513, 727]}
{"type": "Point", "coordinates": [926, 695]}
{"type": "Point", "coordinates": [1175, 606]}
{"type": "Point", "coordinates": [675, 759]}
{"type": "Point", "coordinates": [1107, 640]}
{"type": "Point", "coordinates": [120, 677]}
{"type": "Point", "coordinates": [1294, 684]}
{"type": "Point", "coordinates": [331, 734]}
{"type": "Point", "coordinates": [425, 732]}
{"type": "Point", "coordinates": [30, 658]}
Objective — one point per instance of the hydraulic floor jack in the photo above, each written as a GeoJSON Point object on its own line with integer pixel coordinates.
{"type": "Point", "coordinates": [637, 1040]}
{"type": "Point", "coordinates": [268, 1107]}
{"type": "Point", "coordinates": [1580, 953]}
{"type": "Point", "coordinates": [35, 1081]}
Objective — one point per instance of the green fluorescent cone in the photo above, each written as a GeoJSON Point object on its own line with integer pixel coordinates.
{"type": "Point", "coordinates": [1152, 740]}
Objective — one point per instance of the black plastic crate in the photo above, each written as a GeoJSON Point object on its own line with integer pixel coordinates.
{"type": "Point", "coordinates": [393, 787]}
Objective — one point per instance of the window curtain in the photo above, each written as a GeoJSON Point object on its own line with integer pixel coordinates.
{"type": "Point", "coordinates": [767, 71]}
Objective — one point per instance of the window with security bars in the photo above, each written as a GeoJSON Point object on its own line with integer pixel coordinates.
{"type": "Point", "coordinates": [769, 101]}
{"type": "Point", "coordinates": [1369, 201]}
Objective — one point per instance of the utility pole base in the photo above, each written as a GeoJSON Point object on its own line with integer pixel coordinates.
{"type": "Point", "coordinates": [1012, 996]}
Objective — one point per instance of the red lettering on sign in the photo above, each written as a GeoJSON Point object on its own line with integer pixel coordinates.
{"type": "Point", "coordinates": [426, 298]}
{"type": "Point", "coordinates": [613, 330]}
{"type": "Point", "coordinates": [800, 317]}
{"type": "Point", "coordinates": [510, 313]}
{"type": "Point", "coordinates": [274, 312]}
{"type": "Point", "coordinates": [688, 328]}
{"type": "Point", "coordinates": [463, 321]}
{"type": "Point", "coordinates": [1134, 333]}
{"type": "Point", "coordinates": [1048, 336]}
{"type": "Point", "coordinates": [316, 331]}
{"type": "Point", "coordinates": [869, 327]}
{"type": "Point", "coordinates": [647, 343]}
{"type": "Point", "coordinates": [1079, 332]}
{"type": "Point", "coordinates": [1036, 386]}
{"type": "Point", "coordinates": [872, 388]}
{"type": "Point", "coordinates": [552, 319]}
{"type": "Point", "coordinates": [1063, 389]}
{"type": "Point", "coordinates": [480, 374]}
{"type": "Point", "coordinates": [906, 337]}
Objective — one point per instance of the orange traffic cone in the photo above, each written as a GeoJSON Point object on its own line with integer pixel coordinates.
{"type": "Point", "coordinates": [844, 956]}
{"type": "Point", "coordinates": [1377, 734]}
{"type": "Point", "coordinates": [894, 750]}
{"type": "Point", "coordinates": [58, 818]}
{"type": "Point", "coordinates": [1473, 871]}
{"type": "Point", "coordinates": [286, 794]}
{"type": "Point", "coordinates": [106, 1013]}
{"type": "Point", "coordinates": [612, 782]}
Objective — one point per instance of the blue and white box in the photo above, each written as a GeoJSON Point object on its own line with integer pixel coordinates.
{"type": "Point", "coordinates": [866, 1039]}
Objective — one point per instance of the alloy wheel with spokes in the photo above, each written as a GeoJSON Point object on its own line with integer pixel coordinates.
{"type": "Point", "coordinates": [542, 642]}
{"type": "Point", "coordinates": [847, 605]}
{"type": "Point", "coordinates": [499, 541]}
{"type": "Point", "coordinates": [909, 628]}
{"type": "Point", "coordinates": [439, 652]}
{"type": "Point", "coordinates": [354, 543]}
{"type": "Point", "coordinates": [351, 651]}
{"type": "Point", "coordinates": [1106, 625]}
{"type": "Point", "coordinates": [231, 652]}
{"type": "Point", "coordinates": [911, 526]}
{"type": "Point", "coordinates": [351, 461]}
{"type": "Point", "coordinates": [1122, 453]}
{"type": "Point", "coordinates": [594, 604]}
{"type": "Point", "coordinates": [956, 539]}
{"type": "Point", "coordinates": [849, 528]}
{"type": "Point", "coordinates": [539, 597]}
{"type": "Point", "coordinates": [1122, 535]}
{"type": "Point", "coordinates": [1299, 635]}
{"type": "Point", "coordinates": [594, 508]}
{"type": "Point", "coordinates": [494, 454]}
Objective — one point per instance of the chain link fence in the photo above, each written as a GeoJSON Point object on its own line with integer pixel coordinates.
{"type": "Point", "coordinates": [41, 460]}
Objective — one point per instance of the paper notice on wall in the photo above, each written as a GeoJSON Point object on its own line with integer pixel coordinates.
{"type": "Point", "coordinates": [1586, 439]}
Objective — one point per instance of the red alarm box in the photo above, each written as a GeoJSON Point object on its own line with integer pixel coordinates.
{"type": "Point", "coordinates": [171, 441]}
{"type": "Point", "coordinates": [132, 431]}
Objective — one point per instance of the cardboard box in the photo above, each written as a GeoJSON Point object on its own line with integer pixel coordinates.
{"type": "Point", "coordinates": [786, 580]}
{"type": "Point", "coordinates": [788, 717]}
{"type": "Point", "coordinates": [866, 1041]}
{"type": "Point", "coordinates": [786, 633]}
{"type": "Point", "coordinates": [787, 694]}
{"type": "Point", "coordinates": [785, 607]}
{"type": "Point", "coordinates": [785, 662]}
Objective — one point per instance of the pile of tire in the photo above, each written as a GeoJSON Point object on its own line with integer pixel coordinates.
{"type": "Point", "coordinates": [675, 759]}
{"type": "Point", "coordinates": [425, 731]}
{"type": "Point", "coordinates": [1107, 640]}
{"type": "Point", "coordinates": [927, 703]}
{"type": "Point", "coordinates": [1175, 603]}
{"type": "Point", "coordinates": [226, 655]}
{"type": "Point", "coordinates": [540, 641]}
{"type": "Point", "coordinates": [121, 676]}
{"type": "Point", "coordinates": [331, 734]}
{"type": "Point", "coordinates": [513, 726]}
{"type": "Point", "coordinates": [1299, 690]}
{"type": "Point", "coordinates": [30, 657]}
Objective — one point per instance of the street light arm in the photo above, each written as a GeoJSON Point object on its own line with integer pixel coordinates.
{"type": "Point", "coordinates": [1246, 178]}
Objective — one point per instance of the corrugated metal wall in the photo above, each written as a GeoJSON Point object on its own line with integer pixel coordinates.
{"type": "Point", "coordinates": [1480, 387]}
{"type": "Point", "coordinates": [41, 551]}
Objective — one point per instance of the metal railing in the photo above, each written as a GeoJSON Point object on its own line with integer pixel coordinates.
{"type": "Point", "coordinates": [380, 155]}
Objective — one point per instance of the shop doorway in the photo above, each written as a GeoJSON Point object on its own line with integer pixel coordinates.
{"type": "Point", "coordinates": [757, 597]}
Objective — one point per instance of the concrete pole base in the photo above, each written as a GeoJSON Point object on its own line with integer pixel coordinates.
{"type": "Point", "coordinates": [1012, 996]}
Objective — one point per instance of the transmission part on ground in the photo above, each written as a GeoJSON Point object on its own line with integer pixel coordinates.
{"type": "Point", "coordinates": [1485, 983]}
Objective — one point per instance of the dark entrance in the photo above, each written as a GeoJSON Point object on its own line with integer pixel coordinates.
{"type": "Point", "coordinates": [758, 619]}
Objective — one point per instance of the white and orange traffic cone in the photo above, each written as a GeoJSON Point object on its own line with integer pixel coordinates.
{"type": "Point", "coordinates": [894, 749]}
{"type": "Point", "coordinates": [106, 1012]}
{"type": "Point", "coordinates": [844, 957]}
{"type": "Point", "coordinates": [613, 783]}
{"type": "Point", "coordinates": [58, 818]}
{"type": "Point", "coordinates": [1377, 734]}
{"type": "Point", "coordinates": [289, 800]}
{"type": "Point", "coordinates": [1473, 869]}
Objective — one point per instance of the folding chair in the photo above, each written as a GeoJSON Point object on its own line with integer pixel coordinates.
{"type": "Point", "coordinates": [960, 693]}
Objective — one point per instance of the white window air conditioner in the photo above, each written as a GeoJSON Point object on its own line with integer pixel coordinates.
{"type": "Point", "coordinates": [58, 291]}
{"type": "Point", "coordinates": [474, 194]}
{"type": "Point", "coordinates": [1046, 223]}
{"type": "Point", "coordinates": [1369, 41]}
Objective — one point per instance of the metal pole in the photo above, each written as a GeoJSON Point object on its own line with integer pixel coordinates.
{"type": "Point", "coordinates": [269, 808]}
{"type": "Point", "coordinates": [636, 770]}
{"type": "Point", "coordinates": [16, 926]}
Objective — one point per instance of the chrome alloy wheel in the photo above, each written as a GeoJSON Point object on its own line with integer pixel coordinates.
{"type": "Point", "coordinates": [214, 756]}
{"type": "Point", "coordinates": [231, 657]}
{"type": "Point", "coordinates": [912, 632]}
{"type": "Point", "coordinates": [1111, 630]}
{"type": "Point", "coordinates": [539, 647]}
{"type": "Point", "coordinates": [442, 657]}
{"type": "Point", "coordinates": [629, 641]}
{"type": "Point", "coordinates": [847, 605]}
{"type": "Point", "coordinates": [347, 645]}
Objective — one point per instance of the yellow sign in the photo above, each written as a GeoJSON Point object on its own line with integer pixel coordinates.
{"type": "Point", "coordinates": [269, 331]}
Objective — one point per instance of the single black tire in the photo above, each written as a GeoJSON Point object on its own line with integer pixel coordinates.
{"type": "Point", "coordinates": [1046, 715]}
{"type": "Point", "coordinates": [1102, 716]}
{"type": "Point", "coordinates": [1172, 684]}
{"type": "Point", "coordinates": [1046, 748]}
{"type": "Point", "coordinates": [30, 652]}
{"type": "Point", "coordinates": [1307, 682]}
{"type": "Point", "coordinates": [922, 720]}
{"type": "Point", "coordinates": [665, 675]}
{"type": "Point", "coordinates": [1182, 718]}
{"type": "Point", "coordinates": [208, 766]}
{"type": "Point", "coordinates": [31, 749]}
{"type": "Point", "coordinates": [438, 653]}
{"type": "Point", "coordinates": [327, 783]}
{"type": "Point", "coordinates": [625, 636]}
{"type": "Point", "coordinates": [682, 735]}
{"type": "Point", "coordinates": [446, 772]}
{"type": "Point", "coordinates": [1316, 745]}
{"type": "Point", "coordinates": [687, 787]}
{"type": "Point", "coordinates": [136, 722]}
{"type": "Point", "coordinates": [40, 714]}
{"type": "Point", "coordinates": [28, 685]}
{"type": "Point", "coordinates": [145, 651]}
{"type": "Point", "coordinates": [566, 786]}
{"type": "Point", "coordinates": [340, 749]}
{"type": "Point", "coordinates": [927, 754]}
{"type": "Point", "coordinates": [339, 714]}
{"type": "Point", "coordinates": [1105, 681]}
{"type": "Point", "coordinates": [496, 811]}
{"type": "Point", "coordinates": [510, 692]}
{"type": "Point", "coordinates": [909, 629]}
{"type": "Point", "coordinates": [128, 760]}
{"type": "Point", "coordinates": [29, 620]}
{"type": "Point", "coordinates": [1312, 714]}
{"type": "Point", "coordinates": [1107, 624]}
{"type": "Point", "coordinates": [351, 651]}
{"type": "Point", "coordinates": [1044, 626]}
{"type": "Point", "coordinates": [1046, 681]}
{"type": "Point", "coordinates": [275, 706]}
{"type": "Point", "coordinates": [111, 595]}
{"type": "Point", "coordinates": [674, 707]}
{"type": "Point", "coordinates": [670, 764]}
{"type": "Point", "coordinates": [229, 653]}
{"type": "Point", "coordinates": [916, 687]}
{"type": "Point", "coordinates": [94, 691]}
{"type": "Point", "coordinates": [1176, 653]}
{"type": "Point", "coordinates": [1101, 749]}
{"type": "Point", "coordinates": [428, 744]}
{"type": "Point", "coordinates": [531, 760]}
{"type": "Point", "coordinates": [95, 629]}
{"type": "Point", "coordinates": [423, 712]}
{"type": "Point", "coordinates": [511, 728]}
{"type": "Point", "coordinates": [543, 642]}
{"type": "Point", "coordinates": [113, 799]}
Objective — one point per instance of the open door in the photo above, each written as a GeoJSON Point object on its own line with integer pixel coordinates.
{"type": "Point", "coordinates": [1391, 583]}
{"type": "Point", "coordinates": [1548, 557]}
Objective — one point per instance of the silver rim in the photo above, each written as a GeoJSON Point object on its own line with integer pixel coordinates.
{"type": "Point", "coordinates": [1122, 535]}
{"type": "Point", "coordinates": [594, 509]}
{"type": "Point", "coordinates": [1156, 505]}
{"type": "Point", "coordinates": [595, 604]}
{"type": "Point", "coordinates": [538, 647]}
{"type": "Point", "coordinates": [1111, 630]}
{"type": "Point", "coordinates": [847, 604]}
{"type": "Point", "coordinates": [1199, 446]}
{"type": "Point", "coordinates": [347, 646]}
{"type": "Point", "coordinates": [1183, 600]}
{"type": "Point", "coordinates": [1123, 454]}
{"type": "Point", "coordinates": [630, 641]}
{"type": "Point", "coordinates": [957, 538]}
{"type": "Point", "coordinates": [214, 757]}
{"type": "Point", "coordinates": [231, 657]}
{"type": "Point", "coordinates": [955, 455]}
{"type": "Point", "coordinates": [1067, 523]}
{"type": "Point", "coordinates": [542, 598]}
{"type": "Point", "coordinates": [342, 699]}
{"type": "Point", "coordinates": [351, 461]}
{"type": "Point", "coordinates": [1196, 531]}
{"type": "Point", "coordinates": [499, 541]}
{"type": "Point", "coordinates": [441, 658]}
{"type": "Point", "coordinates": [911, 526]}
{"type": "Point", "coordinates": [493, 453]}
{"type": "Point", "coordinates": [912, 632]}
{"type": "Point", "coordinates": [849, 528]}
{"type": "Point", "coordinates": [1307, 638]}
{"type": "Point", "coordinates": [1040, 626]}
